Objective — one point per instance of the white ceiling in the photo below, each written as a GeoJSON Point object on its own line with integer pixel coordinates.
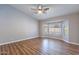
{"type": "Point", "coordinates": [54, 11]}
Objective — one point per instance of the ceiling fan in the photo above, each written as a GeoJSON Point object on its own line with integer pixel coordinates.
{"type": "Point", "coordinates": [40, 9]}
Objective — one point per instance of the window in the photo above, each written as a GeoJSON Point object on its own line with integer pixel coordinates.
{"type": "Point", "coordinates": [52, 28]}
{"type": "Point", "coordinates": [55, 28]}
{"type": "Point", "coordinates": [45, 26]}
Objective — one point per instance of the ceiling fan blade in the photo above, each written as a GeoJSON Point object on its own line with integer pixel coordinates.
{"type": "Point", "coordinates": [46, 9]}
{"type": "Point", "coordinates": [40, 9]}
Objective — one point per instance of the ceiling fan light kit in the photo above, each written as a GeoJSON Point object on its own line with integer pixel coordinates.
{"type": "Point", "coordinates": [40, 9]}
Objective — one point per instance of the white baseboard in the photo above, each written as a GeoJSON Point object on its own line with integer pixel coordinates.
{"type": "Point", "coordinates": [72, 43]}
{"type": "Point", "coordinates": [33, 38]}
{"type": "Point", "coordinates": [17, 40]}
{"type": "Point", "coordinates": [64, 41]}
{"type": "Point", "coordinates": [52, 37]}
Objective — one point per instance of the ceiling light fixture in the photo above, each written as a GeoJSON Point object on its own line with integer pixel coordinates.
{"type": "Point", "coordinates": [40, 9]}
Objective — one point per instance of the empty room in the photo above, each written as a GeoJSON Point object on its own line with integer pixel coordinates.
{"type": "Point", "coordinates": [39, 29]}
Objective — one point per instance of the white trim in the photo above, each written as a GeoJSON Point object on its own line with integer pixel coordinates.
{"type": "Point", "coordinates": [36, 37]}
{"type": "Point", "coordinates": [71, 43]}
{"type": "Point", "coordinates": [52, 37]}
{"type": "Point", "coordinates": [56, 38]}
{"type": "Point", "coordinates": [17, 40]}
{"type": "Point", "coordinates": [64, 40]}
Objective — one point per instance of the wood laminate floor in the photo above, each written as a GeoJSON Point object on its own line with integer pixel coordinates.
{"type": "Point", "coordinates": [39, 46]}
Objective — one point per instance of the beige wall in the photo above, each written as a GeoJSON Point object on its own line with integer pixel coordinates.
{"type": "Point", "coordinates": [15, 25]}
{"type": "Point", "coordinates": [73, 26]}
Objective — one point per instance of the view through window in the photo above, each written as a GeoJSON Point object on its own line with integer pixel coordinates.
{"type": "Point", "coordinates": [53, 28]}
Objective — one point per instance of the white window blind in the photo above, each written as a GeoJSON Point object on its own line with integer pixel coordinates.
{"type": "Point", "coordinates": [53, 28]}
